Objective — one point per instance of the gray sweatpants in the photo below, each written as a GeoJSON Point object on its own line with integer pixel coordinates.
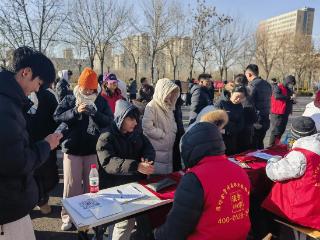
{"type": "Point", "coordinates": [76, 171]}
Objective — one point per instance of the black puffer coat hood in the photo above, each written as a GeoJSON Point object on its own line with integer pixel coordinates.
{"type": "Point", "coordinates": [203, 139]}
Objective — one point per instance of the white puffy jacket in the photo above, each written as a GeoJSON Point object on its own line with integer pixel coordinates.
{"type": "Point", "coordinates": [294, 164]}
{"type": "Point", "coordinates": [159, 125]}
{"type": "Point", "coordinates": [313, 112]}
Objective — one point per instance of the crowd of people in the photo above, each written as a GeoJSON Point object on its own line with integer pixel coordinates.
{"type": "Point", "coordinates": [130, 137]}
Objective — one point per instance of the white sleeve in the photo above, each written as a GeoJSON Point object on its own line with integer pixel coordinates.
{"type": "Point", "coordinates": [291, 166]}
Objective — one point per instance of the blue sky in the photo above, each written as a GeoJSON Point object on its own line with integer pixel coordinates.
{"type": "Point", "coordinates": [253, 11]}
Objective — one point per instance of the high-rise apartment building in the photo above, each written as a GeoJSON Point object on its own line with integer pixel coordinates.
{"type": "Point", "coordinates": [288, 25]}
{"type": "Point", "coordinates": [296, 22]}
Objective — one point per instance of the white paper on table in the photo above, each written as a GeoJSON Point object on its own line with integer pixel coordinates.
{"type": "Point", "coordinates": [88, 205]}
{"type": "Point", "coordinates": [108, 207]}
{"type": "Point", "coordinates": [128, 194]}
{"type": "Point", "coordinates": [83, 203]}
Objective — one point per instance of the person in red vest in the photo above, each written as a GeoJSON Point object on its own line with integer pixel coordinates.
{"type": "Point", "coordinates": [281, 108]}
{"type": "Point", "coordinates": [212, 199]}
{"type": "Point", "coordinates": [296, 192]}
{"type": "Point", "coordinates": [111, 92]}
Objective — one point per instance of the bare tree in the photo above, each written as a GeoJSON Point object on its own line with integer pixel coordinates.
{"type": "Point", "coordinates": [4, 48]}
{"type": "Point", "coordinates": [131, 47]}
{"type": "Point", "coordinates": [36, 23]}
{"type": "Point", "coordinates": [227, 40]}
{"type": "Point", "coordinates": [267, 52]}
{"type": "Point", "coordinates": [157, 26]}
{"type": "Point", "coordinates": [136, 47]}
{"type": "Point", "coordinates": [205, 54]}
{"type": "Point", "coordinates": [314, 66]}
{"type": "Point", "coordinates": [283, 63]}
{"type": "Point", "coordinates": [204, 19]}
{"type": "Point", "coordinates": [178, 44]}
{"type": "Point", "coordinates": [84, 27]}
{"type": "Point", "coordinates": [246, 52]}
{"type": "Point", "coordinates": [301, 56]}
{"type": "Point", "coordinates": [112, 19]}
{"type": "Point", "coordinates": [160, 65]}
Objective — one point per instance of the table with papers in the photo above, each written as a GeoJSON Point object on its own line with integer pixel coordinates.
{"type": "Point", "coordinates": [111, 205]}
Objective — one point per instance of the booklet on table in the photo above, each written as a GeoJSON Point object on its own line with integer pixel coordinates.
{"type": "Point", "coordinates": [88, 205]}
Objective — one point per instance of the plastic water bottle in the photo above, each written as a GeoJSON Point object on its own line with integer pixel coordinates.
{"type": "Point", "coordinates": [93, 179]}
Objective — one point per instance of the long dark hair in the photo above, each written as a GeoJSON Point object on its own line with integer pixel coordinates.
{"type": "Point", "coordinates": [178, 83]}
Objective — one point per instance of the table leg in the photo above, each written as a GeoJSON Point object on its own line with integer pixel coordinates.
{"type": "Point", "coordinates": [299, 236]}
{"type": "Point", "coordinates": [83, 235]}
{"type": "Point", "coordinates": [98, 232]}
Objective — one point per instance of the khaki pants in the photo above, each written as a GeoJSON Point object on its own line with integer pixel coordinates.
{"type": "Point", "coordinates": [76, 171]}
{"type": "Point", "coordinates": [122, 230]}
{"type": "Point", "coordinates": [21, 229]}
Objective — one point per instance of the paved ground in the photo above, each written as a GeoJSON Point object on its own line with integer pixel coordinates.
{"type": "Point", "coordinates": [48, 227]}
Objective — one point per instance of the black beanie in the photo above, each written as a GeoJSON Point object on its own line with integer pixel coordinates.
{"type": "Point", "coordinates": [302, 127]}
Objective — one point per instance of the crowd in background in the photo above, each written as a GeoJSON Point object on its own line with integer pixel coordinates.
{"type": "Point", "coordinates": [135, 135]}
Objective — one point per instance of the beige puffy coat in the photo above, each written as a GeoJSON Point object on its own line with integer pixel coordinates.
{"type": "Point", "coordinates": [159, 125]}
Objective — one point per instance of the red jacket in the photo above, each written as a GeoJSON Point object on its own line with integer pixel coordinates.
{"type": "Point", "coordinates": [226, 192]}
{"type": "Point", "coordinates": [278, 106]}
{"type": "Point", "coordinates": [112, 99]}
{"type": "Point", "coordinates": [298, 199]}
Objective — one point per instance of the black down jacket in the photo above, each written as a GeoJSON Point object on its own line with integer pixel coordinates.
{"type": "Point", "coordinates": [260, 92]}
{"type": "Point", "coordinates": [84, 131]}
{"type": "Point", "coordinates": [119, 154]}
{"type": "Point", "coordinates": [40, 125]}
{"type": "Point", "coordinates": [200, 98]}
{"type": "Point", "coordinates": [18, 157]}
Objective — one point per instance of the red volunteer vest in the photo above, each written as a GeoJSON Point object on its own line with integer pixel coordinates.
{"type": "Point", "coordinates": [226, 194]}
{"type": "Point", "coordinates": [112, 100]}
{"type": "Point", "coordinates": [279, 106]}
{"type": "Point", "coordinates": [298, 200]}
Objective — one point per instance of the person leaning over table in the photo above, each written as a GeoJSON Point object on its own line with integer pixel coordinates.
{"type": "Point", "coordinates": [212, 199]}
{"type": "Point", "coordinates": [125, 155]}
{"type": "Point", "coordinates": [296, 192]}
{"type": "Point", "coordinates": [232, 104]}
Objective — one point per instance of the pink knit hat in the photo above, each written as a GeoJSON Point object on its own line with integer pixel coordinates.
{"type": "Point", "coordinates": [110, 77]}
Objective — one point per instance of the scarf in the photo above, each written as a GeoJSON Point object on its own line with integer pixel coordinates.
{"type": "Point", "coordinates": [88, 100]}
